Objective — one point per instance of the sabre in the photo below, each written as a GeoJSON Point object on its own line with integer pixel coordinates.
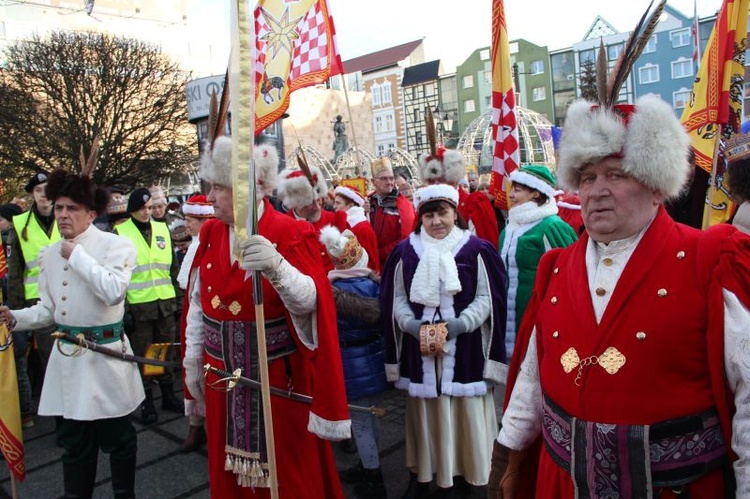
{"type": "Point", "coordinates": [234, 378]}
{"type": "Point", "coordinates": [90, 345]}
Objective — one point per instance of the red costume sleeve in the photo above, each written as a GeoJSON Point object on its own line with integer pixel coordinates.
{"type": "Point", "coordinates": [366, 237]}
{"type": "Point", "coordinates": [407, 215]}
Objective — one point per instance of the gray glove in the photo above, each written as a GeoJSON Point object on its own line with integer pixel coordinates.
{"type": "Point", "coordinates": [194, 380]}
{"type": "Point", "coordinates": [455, 327]}
{"type": "Point", "coordinates": [257, 253]}
{"type": "Point", "coordinates": [412, 327]}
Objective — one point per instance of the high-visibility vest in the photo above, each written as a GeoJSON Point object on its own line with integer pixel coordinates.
{"type": "Point", "coordinates": [151, 279]}
{"type": "Point", "coordinates": [37, 239]}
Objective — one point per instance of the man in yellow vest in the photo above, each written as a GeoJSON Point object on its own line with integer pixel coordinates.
{"type": "Point", "coordinates": [30, 232]}
{"type": "Point", "coordinates": [151, 297]}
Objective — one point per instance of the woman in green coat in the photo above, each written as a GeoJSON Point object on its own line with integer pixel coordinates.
{"type": "Point", "coordinates": [533, 229]}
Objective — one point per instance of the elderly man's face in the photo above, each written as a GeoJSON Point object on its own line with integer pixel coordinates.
{"type": "Point", "coordinates": [220, 197]}
{"type": "Point", "coordinates": [614, 205]}
{"type": "Point", "coordinates": [311, 212]}
{"type": "Point", "coordinates": [384, 182]}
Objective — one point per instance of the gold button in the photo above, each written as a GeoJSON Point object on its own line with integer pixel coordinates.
{"type": "Point", "coordinates": [208, 266]}
{"type": "Point", "coordinates": [640, 335]}
{"type": "Point", "coordinates": [662, 293]}
{"type": "Point", "coordinates": [553, 300]}
{"type": "Point", "coordinates": [65, 283]}
{"type": "Point", "coordinates": [210, 289]}
{"type": "Point", "coordinates": [555, 334]}
{"type": "Point", "coordinates": [601, 291]}
{"type": "Point", "coordinates": [680, 255]}
{"type": "Point", "coordinates": [607, 262]}
{"type": "Point", "coordinates": [557, 270]}
{"type": "Point", "coordinates": [63, 313]}
{"type": "Point", "coordinates": [64, 298]}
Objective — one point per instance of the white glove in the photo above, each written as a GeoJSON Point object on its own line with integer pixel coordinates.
{"type": "Point", "coordinates": [257, 253]}
{"type": "Point", "coordinates": [194, 379]}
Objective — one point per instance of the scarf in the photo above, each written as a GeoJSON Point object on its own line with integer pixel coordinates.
{"type": "Point", "coordinates": [187, 262]}
{"type": "Point", "coordinates": [529, 211]}
{"type": "Point", "coordinates": [436, 266]}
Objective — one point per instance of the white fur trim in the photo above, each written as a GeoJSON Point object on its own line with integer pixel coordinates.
{"type": "Point", "coordinates": [355, 215]}
{"type": "Point", "coordinates": [216, 164]}
{"type": "Point", "coordinates": [532, 181]}
{"type": "Point", "coordinates": [435, 191]}
{"type": "Point", "coordinates": [198, 210]}
{"type": "Point", "coordinates": [333, 240]}
{"type": "Point", "coordinates": [450, 169]}
{"type": "Point", "coordinates": [329, 430]}
{"type": "Point", "coordinates": [529, 212]}
{"type": "Point", "coordinates": [654, 144]}
{"type": "Point", "coordinates": [350, 194]}
{"type": "Point", "coordinates": [570, 206]}
{"type": "Point", "coordinates": [296, 192]}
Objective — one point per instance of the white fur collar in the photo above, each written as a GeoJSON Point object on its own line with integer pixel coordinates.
{"type": "Point", "coordinates": [355, 215]}
{"type": "Point", "coordinates": [529, 212]}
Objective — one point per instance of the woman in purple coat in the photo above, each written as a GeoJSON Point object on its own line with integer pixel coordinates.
{"type": "Point", "coordinates": [443, 275]}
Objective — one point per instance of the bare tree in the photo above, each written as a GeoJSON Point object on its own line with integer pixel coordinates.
{"type": "Point", "coordinates": [70, 87]}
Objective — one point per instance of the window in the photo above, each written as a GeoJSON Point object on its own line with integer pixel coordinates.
{"type": "Point", "coordinates": [537, 67]}
{"type": "Point", "coordinates": [468, 81]}
{"type": "Point", "coordinates": [488, 76]}
{"type": "Point", "coordinates": [587, 56]}
{"type": "Point", "coordinates": [614, 51]}
{"type": "Point", "coordinates": [651, 45]}
{"type": "Point", "coordinates": [387, 93]}
{"type": "Point", "coordinates": [429, 89]}
{"type": "Point", "coordinates": [375, 95]}
{"type": "Point", "coordinates": [416, 115]}
{"type": "Point", "coordinates": [484, 54]}
{"type": "Point", "coordinates": [418, 138]}
{"type": "Point", "coordinates": [469, 106]}
{"type": "Point", "coordinates": [680, 38]}
{"type": "Point", "coordinates": [389, 127]}
{"type": "Point", "coordinates": [380, 150]}
{"type": "Point", "coordinates": [539, 93]}
{"type": "Point", "coordinates": [378, 124]}
{"type": "Point", "coordinates": [680, 98]}
{"type": "Point", "coordinates": [682, 68]}
{"type": "Point", "coordinates": [487, 101]}
{"type": "Point", "coordinates": [648, 74]}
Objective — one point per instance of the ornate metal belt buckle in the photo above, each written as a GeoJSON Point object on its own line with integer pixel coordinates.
{"type": "Point", "coordinates": [432, 337]}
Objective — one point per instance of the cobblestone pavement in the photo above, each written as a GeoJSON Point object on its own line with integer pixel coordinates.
{"type": "Point", "coordinates": [163, 472]}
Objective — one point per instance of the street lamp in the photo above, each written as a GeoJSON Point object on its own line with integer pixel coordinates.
{"type": "Point", "coordinates": [443, 125]}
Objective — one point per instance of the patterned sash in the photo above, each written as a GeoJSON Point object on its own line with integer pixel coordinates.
{"type": "Point", "coordinates": [628, 461]}
{"type": "Point", "coordinates": [235, 344]}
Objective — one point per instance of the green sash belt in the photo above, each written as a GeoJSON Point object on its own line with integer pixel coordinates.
{"type": "Point", "coordinates": [101, 335]}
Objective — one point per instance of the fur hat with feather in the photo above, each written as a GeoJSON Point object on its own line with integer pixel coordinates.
{"type": "Point", "coordinates": [440, 165]}
{"type": "Point", "coordinates": [649, 138]}
{"type": "Point", "coordinates": [296, 189]}
{"type": "Point", "coordinates": [216, 164]}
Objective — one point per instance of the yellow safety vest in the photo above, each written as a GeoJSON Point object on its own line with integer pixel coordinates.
{"type": "Point", "coordinates": [151, 279]}
{"type": "Point", "coordinates": [37, 239]}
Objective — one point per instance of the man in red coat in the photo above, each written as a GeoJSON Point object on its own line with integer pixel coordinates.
{"type": "Point", "coordinates": [636, 337]}
{"type": "Point", "coordinates": [391, 214]}
{"type": "Point", "coordinates": [300, 324]}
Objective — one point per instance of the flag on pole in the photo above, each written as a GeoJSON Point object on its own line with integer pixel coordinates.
{"type": "Point", "coordinates": [505, 150]}
{"type": "Point", "coordinates": [714, 110]}
{"type": "Point", "coordinates": [296, 47]}
{"type": "Point", "coordinates": [11, 439]}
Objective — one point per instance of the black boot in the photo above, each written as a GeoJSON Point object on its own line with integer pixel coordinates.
{"type": "Point", "coordinates": [416, 489]}
{"type": "Point", "coordinates": [373, 486]}
{"type": "Point", "coordinates": [148, 411]}
{"type": "Point", "coordinates": [79, 479]}
{"type": "Point", "coordinates": [169, 402]}
{"type": "Point", "coordinates": [123, 477]}
{"type": "Point", "coordinates": [195, 439]}
{"type": "Point", "coordinates": [355, 474]}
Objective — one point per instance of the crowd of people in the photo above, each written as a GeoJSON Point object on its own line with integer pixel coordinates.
{"type": "Point", "coordinates": [579, 344]}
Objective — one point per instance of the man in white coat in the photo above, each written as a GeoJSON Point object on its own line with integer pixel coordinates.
{"type": "Point", "coordinates": [82, 286]}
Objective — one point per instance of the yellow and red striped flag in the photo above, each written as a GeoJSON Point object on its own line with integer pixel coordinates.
{"type": "Point", "coordinates": [11, 437]}
{"type": "Point", "coordinates": [714, 111]}
{"type": "Point", "coordinates": [296, 47]}
{"type": "Point", "coordinates": [505, 152]}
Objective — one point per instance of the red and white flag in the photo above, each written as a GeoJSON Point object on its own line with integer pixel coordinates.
{"type": "Point", "coordinates": [505, 149]}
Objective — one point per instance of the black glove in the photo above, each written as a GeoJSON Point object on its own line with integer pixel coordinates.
{"type": "Point", "coordinates": [455, 327]}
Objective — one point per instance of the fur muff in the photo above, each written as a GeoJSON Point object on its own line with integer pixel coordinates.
{"type": "Point", "coordinates": [654, 144]}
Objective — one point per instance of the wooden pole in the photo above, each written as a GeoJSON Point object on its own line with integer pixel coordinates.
{"type": "Point", "coordinates": [13, 486]}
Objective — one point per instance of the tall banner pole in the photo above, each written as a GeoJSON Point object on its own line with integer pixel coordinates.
{"type": "Point", "coordinates": [242, 95]}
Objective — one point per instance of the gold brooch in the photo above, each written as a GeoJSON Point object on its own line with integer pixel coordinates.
{"type": "Point", "coordinates": [611, 360]}
{"type": "Point", "coordinates": [233, 307]}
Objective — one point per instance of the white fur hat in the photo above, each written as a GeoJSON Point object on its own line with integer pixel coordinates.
{"type": "Point", "coordinates": [447, 166]}
{"type": "Point", "coordinates": [652, 142]}
{"type": "Point", "coordinates": [216, 164]}
{"type": "Point", "coordinates": [296, 191]}
{"type": "Point", "coordinates": [442, 192]}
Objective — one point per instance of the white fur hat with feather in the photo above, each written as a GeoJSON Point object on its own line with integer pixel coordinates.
{"type": "Point", "coordinates": [445, 166]}
{"type": "Point", "coordinates": [216, 164]}
{"type": "Point", "coordinates": [296, 190]}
